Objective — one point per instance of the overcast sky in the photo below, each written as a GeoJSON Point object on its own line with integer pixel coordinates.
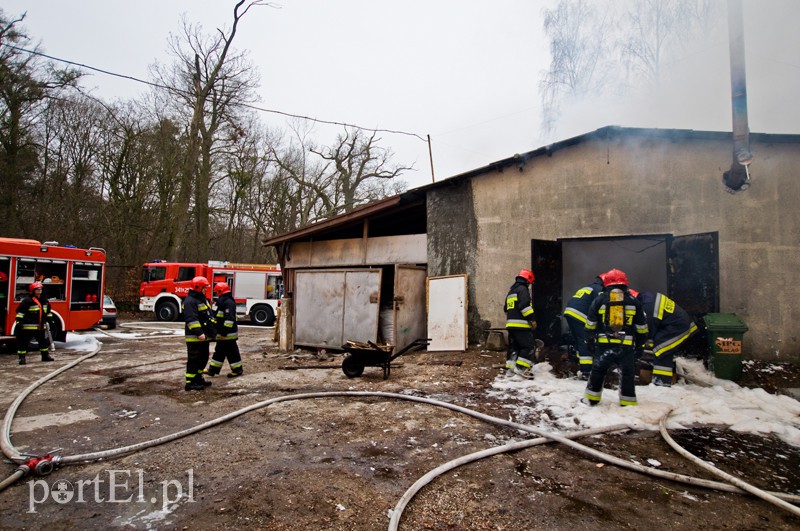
{"type": "Point", "coordinates": [465, 72]}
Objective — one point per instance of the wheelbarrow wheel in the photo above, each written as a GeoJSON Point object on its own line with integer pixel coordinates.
{"type": "Point", "coordinates": [352, 368]}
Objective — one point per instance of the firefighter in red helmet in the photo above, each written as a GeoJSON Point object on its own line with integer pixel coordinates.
{"type": "Point", "coordinates": [616, 327]}
{"type": "Point", "coordinates": [3, 298]}
{"type": "Point", "coordinates": [227, 333]}
{"type": "Point", "coordinates": [199, 330]}
{"type": "Point", "coordinates": [520, 324]}
{"type": "Point", "coordinates": [33, 316]}
{"type": "Point", "coordinates": [575, 316]}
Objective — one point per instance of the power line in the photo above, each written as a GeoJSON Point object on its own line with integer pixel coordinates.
{"type": "Point", "coordinates": [254, 107]}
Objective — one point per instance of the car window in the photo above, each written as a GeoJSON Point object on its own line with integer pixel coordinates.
{"type": "Point", "coordinates": [107, 300]}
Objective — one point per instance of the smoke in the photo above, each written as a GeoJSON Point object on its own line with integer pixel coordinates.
{"type": "Point", "coordinates": [694, 90]}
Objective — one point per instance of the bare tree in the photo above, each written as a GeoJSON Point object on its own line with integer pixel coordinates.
{"type": "Point", "coordinates": [357, 161]}
{"type": "Point", "coordinates": [209, 78]}
{"type": "Point", "coordinates": [25, 85]}
{"type": "Point", "coordinates": [604, 47]}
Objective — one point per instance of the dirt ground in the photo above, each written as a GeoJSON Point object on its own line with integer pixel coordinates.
{"type": "Point", "coordinates": [342, 463]}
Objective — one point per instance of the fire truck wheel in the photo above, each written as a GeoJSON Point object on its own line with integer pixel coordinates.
{"type": "Point", "coordinates": [262, 315]}
{"type": "Point", "coordinates": [167, 311]}
{"type": "Point", "coordinates": [352, 368]}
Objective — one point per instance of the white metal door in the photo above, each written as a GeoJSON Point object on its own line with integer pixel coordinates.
{"type": "Point", "coordinates": [447, 313]}
{"type": "Point", "coordinates": [409, 305]}
{"type": "Point", "coordinates": [361, 301]}
{"type": "Point", "coordinates": [333, 306]}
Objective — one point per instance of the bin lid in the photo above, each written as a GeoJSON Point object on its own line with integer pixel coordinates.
{"type": "Point", "coordinates": [724, 321]}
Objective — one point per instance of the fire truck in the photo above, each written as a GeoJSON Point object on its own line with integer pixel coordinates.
{"type": "Point", "coordinates": [73, 281]}
{"type": "Point", "coordinates": [256, 288]}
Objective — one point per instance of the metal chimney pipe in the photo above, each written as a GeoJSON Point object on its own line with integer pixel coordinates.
{"type": "Point", "coordinates": [738, 177]}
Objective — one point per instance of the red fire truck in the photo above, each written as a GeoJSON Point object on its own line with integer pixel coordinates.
{"type": "Point", "coordinates": [73, 281]}
{"type": "Point", "coordinates": [257, 288]}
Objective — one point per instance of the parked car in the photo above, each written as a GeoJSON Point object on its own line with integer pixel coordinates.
{"type": "Point", "coordinates": [109, 313]}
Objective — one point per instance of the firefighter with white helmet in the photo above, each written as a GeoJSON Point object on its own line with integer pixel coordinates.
{"type": "Point", "coordinates": [227, 334]}
{"type": "Point", "coordinates": [520, 324]}
{"type": "Point", "coordinates": [199, 330]}
{"type": "Point", "coordinates": [616, 326]}
{"type": "Point", "coordinates": [33, 316]}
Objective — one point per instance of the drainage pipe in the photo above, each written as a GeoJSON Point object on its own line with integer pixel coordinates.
{"type": "Point", "coordinates": [755, 491]}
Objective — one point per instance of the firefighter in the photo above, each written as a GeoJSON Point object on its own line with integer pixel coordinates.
{"type": "Point", "coordinates": [199, 330]}
{"type": "Point", "coordinates": [616, 328]}
{"type": "Point", "coordinates": [520, 324]}
{"type": "Point", "coordinates": [227, 333]}
{"type": "Point", "coordinates": [3, 298]}
{"type": "Point", "coordinates": [33, 316]}
{"type": "Point", "coordinates": [575, 315]}
{"type": "Point", "coordinates": [669, 326]}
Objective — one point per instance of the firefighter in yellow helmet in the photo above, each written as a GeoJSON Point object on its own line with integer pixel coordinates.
{"type": "Point", "coordinates": [33, 315]}
{"type": "Point", "coordinates": [616, 327]}
{"type": "Point", "coordinates": [520, 324]}
{"type": "Point", "coordinates": [199, 330]}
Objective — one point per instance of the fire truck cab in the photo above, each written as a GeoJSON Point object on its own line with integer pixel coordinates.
{"type": "Point", "coordinates": [73, 281]}
{"type": "Point", "coordinates": [256, 288]}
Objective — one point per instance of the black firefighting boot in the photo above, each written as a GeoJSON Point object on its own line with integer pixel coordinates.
{"type": "Point", "coordinates": [46, 356]}
{"type": "Point", "coordinates": [196, 384]}
{"type": "Point", "coordinates": [238, 371]}
{"type": "Point", "coordinates": [22, 359]}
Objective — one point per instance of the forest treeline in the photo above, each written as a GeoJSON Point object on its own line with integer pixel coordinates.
{"type": "Point", "coordinates": [187, 171]}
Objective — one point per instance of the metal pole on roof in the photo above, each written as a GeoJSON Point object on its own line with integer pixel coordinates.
{"type": "Point", "coordinates": [430, 155]}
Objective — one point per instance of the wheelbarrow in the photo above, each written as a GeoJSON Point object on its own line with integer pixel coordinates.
{"type": "Point", "coordinates": [360, 355]}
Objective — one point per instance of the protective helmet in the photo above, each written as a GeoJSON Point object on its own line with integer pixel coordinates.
{"type": "Point", "coordinates": [200, 283]}
{"type": "Point", "coordinates": [35, 286]}
{"type": "Point", "coordinates": [3, 277]}
{"type": "Point", "coordinates": [527, 274]}
{"type": "Point", "coordinates": [220, 288]}
{"type": "Point", "coordinates": [633, 292]}
{"type": "Point", "coordinates": [615, 277]}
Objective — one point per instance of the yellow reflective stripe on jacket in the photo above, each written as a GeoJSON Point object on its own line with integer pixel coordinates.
{"type": "Point", "coordinates": [526, 311]}
{"type": "Point", "coordinates": [517, 323]}
{"type": "Point", "coordinates": [670, 344]}
{"type": "Point", "coordinates": [663, 304]}
{"type": "Point", "coordinates": [511, 301]}
{"type": "Point", "coordinates": [580, 316]}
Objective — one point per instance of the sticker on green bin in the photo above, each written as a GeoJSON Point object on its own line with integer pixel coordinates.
{"type": "Point", "coordinates": [729, 345]}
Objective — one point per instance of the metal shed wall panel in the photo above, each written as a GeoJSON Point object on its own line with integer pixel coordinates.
{"type": "Point", "coordinates": [407, 249]}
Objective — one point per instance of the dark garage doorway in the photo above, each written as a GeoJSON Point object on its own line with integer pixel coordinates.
{"type": "Point", "coordinates": [686, 268]}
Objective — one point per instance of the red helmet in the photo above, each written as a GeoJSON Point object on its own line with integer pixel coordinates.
{"type": "Point", "coordinates": [615, 277]}
{"type": "Point", "coordinates": [527, 274]}
{"type": "Point", "coordinates": [200, 283]}
{"type": "Point", "coordinates": [633, 292]}
{"type": "Point", "coordinates": [221, 288]}
{"type": "Point", "coordinates": [3, 277]}
{"type": "Point", "coordinates": [35, 286]}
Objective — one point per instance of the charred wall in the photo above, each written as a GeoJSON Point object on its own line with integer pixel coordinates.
{"type": "Point", "coordinates": [453, 241]}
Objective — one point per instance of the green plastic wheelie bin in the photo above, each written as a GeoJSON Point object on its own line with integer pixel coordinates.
{"type": "Point", "coordinates": [725, 335]}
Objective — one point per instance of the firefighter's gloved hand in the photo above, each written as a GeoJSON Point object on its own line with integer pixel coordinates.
{"type": "Point", "coordinates": [533, 325]}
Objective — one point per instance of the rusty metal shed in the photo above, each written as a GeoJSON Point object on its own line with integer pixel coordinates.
{"type": "Point", "coordinates": [650, 201]}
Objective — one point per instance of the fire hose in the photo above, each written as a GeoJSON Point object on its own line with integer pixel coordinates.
{"type": "Point", "coordinates": [44, 463]}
